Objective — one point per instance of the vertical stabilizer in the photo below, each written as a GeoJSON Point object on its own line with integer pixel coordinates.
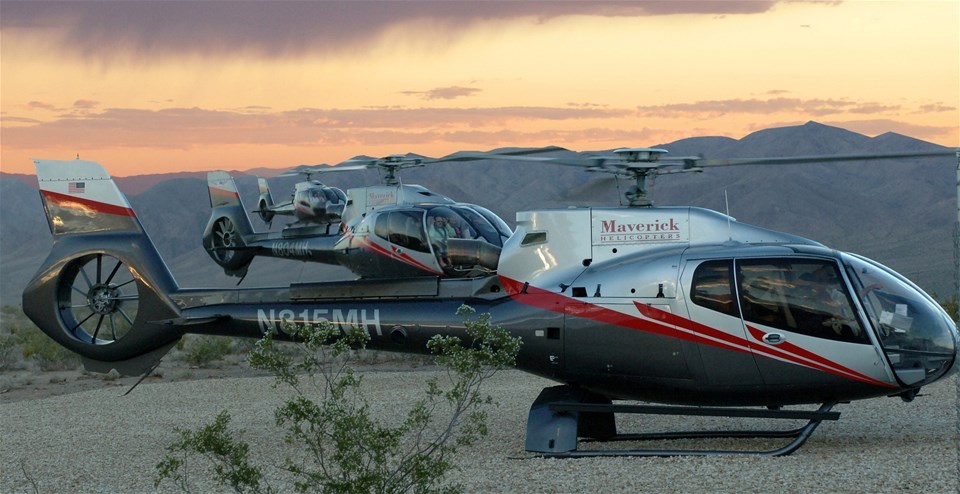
{"type": "Point", "coordinates": [229, 227]}
{"type": "Point", "coordinates": [80, 197]}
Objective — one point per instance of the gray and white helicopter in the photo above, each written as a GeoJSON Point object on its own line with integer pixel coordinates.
{"type": "Point", "coordinates": [676, 305]}
{"type": "Point", "coordinates": [392, 230]}
{"type": "Point", "coordinates": [310, 202]}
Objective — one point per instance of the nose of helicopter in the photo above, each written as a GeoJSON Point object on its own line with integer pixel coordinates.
{"type": "Point", "coordinates": [918, 336]}
{"type": "Point", "coordinates": [956, 354]}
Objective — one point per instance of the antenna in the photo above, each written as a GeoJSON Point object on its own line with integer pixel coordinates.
{"type": "Point", "coordinates": [726, 202]}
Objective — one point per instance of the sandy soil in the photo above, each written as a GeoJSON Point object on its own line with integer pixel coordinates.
{"type": "Point", "coordinates": [97, 440]}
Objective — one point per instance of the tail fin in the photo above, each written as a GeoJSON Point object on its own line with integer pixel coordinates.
{"type": "Point", "coordinates": [265, 202]}
{"type": "Point", "coordinates": [80, 197]}
{"type": "Point", "coordinates": [104, 288]}
{"type": "Point", "coordinates": [229, 227]}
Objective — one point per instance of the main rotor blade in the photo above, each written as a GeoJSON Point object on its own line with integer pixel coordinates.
{"type": "Point", "coordinates": [524, 154]}
{"type": "Point", "coordinates": [306, 170]}
{"type": "Point", "coordinates": [339, 168]}
{"type": "Point", "coordinates": [796, 160]}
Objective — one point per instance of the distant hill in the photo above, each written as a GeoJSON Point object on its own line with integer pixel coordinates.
{"type": "Point", "coordinates": [901, 213]}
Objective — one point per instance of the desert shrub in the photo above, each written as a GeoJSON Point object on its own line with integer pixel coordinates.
{"type": "Point", "coordinates": [216, 444]}
{"type": "Point", "coordinates": [46, 353]}
{"type": "Point", "coordinates": [22, 344]}
{"type": "Point", "coordinates": [950, 305]}
{"type": "Point", "coordinates": [203, 350]}
{"type": "Point", "coordinates": [8, 352]}
{"type": "Point", "coordinates": [337, 444]}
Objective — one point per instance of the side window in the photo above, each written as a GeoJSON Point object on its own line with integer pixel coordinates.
{"type": "Point", "coordinates": [382, 227]}
{"type": "Point", "coordinates": [806, 296]}
{"type": "Point", "coordinates": [712, 287]}
{"type": "Point", "coordinates": [404, 228]}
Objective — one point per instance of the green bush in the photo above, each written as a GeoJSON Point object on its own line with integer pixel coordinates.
{"type": "Point", "coordinates": [48, 354]}
{"type": "Point", "coordinates": [202, 350]}
{"type": "Point", "coordinates": [22, 342]}
{"type": "Point", "coordinates": [339, 445]}
{"type": "Point", "coordinates": [8, 352]}
{"type": "Point", "coordinates": [951, 306]}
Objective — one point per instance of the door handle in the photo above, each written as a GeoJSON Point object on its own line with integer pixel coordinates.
{"type": "Point", "coordinates": [773, 338]}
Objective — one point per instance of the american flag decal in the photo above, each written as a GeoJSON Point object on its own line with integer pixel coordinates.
{"type": "Point", "coordinates": [76, 188]}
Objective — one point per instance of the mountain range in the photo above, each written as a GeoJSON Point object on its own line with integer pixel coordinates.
{"type": "Point", "coordinates": [900, 213]}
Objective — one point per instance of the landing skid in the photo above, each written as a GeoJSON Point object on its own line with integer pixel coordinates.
{"type": "Point", "coordinates": [562, 415]}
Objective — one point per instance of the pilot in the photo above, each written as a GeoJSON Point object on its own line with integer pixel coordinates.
{"type": "Point", "coordinates": [820, 291]}
{"type": "Point", "coordinates": [439, 232]}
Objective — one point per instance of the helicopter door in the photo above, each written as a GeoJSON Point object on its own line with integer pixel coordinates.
{"type": "Point", "coordinates": [802, 323]}
{"type": "Point", "coordinates": [713, 303]}
{"type": "Point", "coordinates": [401, 244]}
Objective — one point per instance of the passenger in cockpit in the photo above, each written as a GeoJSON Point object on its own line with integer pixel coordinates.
{"type": "Point", "coordinates": [439, 232]}
{"type": "Point", "coordinates": [460, 229]}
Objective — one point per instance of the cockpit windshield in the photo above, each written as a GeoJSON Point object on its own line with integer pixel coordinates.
{"type": "Point", "coordinates": [499, 224]}
{"type": "Point", "coordinates": [462, 222]}
{"type": "Point", "coordinates": [915, 332]}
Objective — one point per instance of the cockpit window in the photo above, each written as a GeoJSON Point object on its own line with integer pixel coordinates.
{"type": "Point", "coordinates": [404, 228]}
{"type": "Point", "coordinates": [806, 296]}
{"type": "Point", "coordinates": [479, 227]}
{"type": "Point", "coordinates": [712, 287]}
{"type": "Point", "coordinates": [915, 333]}
{"type": "Point", "coordinates": [499, 224]}
{"type": "Point", "coordinates": [331, 195]}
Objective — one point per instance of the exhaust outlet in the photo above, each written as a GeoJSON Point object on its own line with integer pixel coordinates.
{"type": "Point", "coordinates": [467, 252]}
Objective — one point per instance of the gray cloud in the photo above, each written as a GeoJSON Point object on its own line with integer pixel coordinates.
{"type": "Point", "coordinates": [936, 107]}
{"type": "Point", "coordinates": [814, 107]}
{"type": "Point", "coordinates": [102, 30]}
{"type": "Point", "coordinates": [184, 127]}
{"type": "Point", "coordinates": [85, 104]}
{"type": "Point", "coordinates": [39, 105]}
{"type": "Point", "coordinates": [450, 92]}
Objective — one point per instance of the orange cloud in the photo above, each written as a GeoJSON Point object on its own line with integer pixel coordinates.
{"type": "Point", "coordinates": [450, 92]}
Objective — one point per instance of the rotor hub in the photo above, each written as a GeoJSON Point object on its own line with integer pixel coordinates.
{"type": "Point", "coordinates": [103, 299]}
{"type": "Point", "coordinates": [227, 237]}
{"type": "Point", "coordinates": [640, 155]}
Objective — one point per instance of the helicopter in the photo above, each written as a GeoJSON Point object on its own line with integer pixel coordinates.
{"type": "Point", "coordinates": [309, 203]}
{"type": "Point", "coordinates": [680, 306]}
{"type": "Point", "coordinates": [393, 230]}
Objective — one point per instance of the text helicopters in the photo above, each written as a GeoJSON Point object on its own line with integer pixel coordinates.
{"type": "Point", "coordinates": [677, 305]}
{"type": "Point", "coordinates": [392, 230]}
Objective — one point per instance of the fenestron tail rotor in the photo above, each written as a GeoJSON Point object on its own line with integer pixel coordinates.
{"type": "Point", "coordinates": [98, 299]}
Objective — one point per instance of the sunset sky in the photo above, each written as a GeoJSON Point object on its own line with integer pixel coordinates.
{"type": "Point", "coordinates": [149, 87]}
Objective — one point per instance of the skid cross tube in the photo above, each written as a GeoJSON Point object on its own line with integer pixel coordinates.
{"type": "Point", "coordinates": [562, 416]}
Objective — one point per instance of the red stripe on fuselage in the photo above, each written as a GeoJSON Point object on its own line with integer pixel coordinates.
{"type": "Point", "coordinates": [665, 323]}
{"type": "Point", "coordinates": [791, 352]}
{"type": "Point", "coordinates": [369, 246]}
{"type": "Point", "coordinates": [74, 202]}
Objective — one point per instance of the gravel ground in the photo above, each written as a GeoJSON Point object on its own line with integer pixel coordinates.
{"type": "Point", "coordinates": [99, 441]}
